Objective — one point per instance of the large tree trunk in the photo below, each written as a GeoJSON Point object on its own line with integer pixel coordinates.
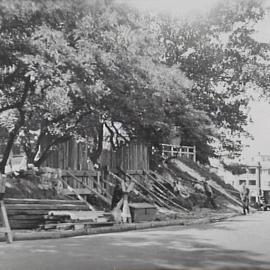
{"type": "Point", "coordinates": [99, 145]}
{"type": "Point", "coordinates": [13, 134]}
{"type": "Point", "coordinates": [12, 137]}
{"type": "Point", "coordinates": [7, 151]}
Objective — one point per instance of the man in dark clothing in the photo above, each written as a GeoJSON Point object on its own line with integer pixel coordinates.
{"type": "Point", "coordinates": [117, 195]}
{"type": "Point", "coordinates": [209, 194]}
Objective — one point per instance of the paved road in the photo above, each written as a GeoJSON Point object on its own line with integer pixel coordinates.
{"type": "Point", "coordinates": [239, 243]}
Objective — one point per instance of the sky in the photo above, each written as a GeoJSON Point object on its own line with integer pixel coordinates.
{"type": "Point", "coordinates": [172, 6]}
{"type": "Point", "coordinates": [260, 111]}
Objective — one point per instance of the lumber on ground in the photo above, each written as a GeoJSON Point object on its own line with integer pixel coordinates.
{"type": "Point", "coordinates": [47, 207]}
{"type": "Point", "coordinates": [41, 201]}
{"type": "Point", "coordinates": [135, 190]}
{"type": "Point", "coordinates": [161, 184]}
{"type": "Point", "coordinates": [172, 202]}
{"type": "Point", "coordinates": [155, 197]}
{"type": "Point", "coordinates": [175, 204]}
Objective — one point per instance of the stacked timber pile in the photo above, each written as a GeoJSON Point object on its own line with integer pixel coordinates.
{"type": "Point", "coordinates": [76, 220]}
{"type": "Point", "coordinates": [34, 213]}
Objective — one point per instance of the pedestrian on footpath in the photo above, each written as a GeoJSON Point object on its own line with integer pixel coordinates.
{"type": "Point", "coordinates": [244, 195]}
{"type": "Point", "coordinates": [209, 193]}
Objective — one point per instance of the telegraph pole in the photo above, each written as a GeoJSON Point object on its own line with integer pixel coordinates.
{"type": "Point", "coordinates": [259, 178]}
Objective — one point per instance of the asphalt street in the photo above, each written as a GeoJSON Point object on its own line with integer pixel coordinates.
{"type": "Point", "coordinates": [239, 243]}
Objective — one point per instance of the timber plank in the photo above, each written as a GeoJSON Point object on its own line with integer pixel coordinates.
{"type": "Point", "coordinates": [46, 207]}
{"type": "Point", "coordinates": [24, 226]}
{"type": "Point", "coordinates": [26, 217]}
{"type": "Point", "coordinates": [14, 212]}
{"type": "Point", "coordinates": [18, 223]}
{"type": "Point", "coordinates": [42, 201]}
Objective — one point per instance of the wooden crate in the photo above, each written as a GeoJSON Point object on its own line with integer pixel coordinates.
{"type": "Point", "coordinates": [142, 212]}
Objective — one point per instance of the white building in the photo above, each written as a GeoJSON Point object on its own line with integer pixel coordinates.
{"type": "Point", "coordinates": [257, 177]}
{"type": "Point", "coordinates": [251, 178]}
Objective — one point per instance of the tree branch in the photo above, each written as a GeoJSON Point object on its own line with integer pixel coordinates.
{"type": "Point", "coordinates": [111, 135]}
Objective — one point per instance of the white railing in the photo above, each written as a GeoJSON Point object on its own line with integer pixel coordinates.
{"type": "Point", "coordinates": [170, 150]}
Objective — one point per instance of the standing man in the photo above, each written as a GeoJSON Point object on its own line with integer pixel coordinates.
{"type": "Point", "coordinates": [244, 195]}
{"type": "Point", "coordinates": [209, 193]}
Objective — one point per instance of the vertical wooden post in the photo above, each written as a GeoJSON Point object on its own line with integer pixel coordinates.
{"type": "Point", "coordinates": [194, 153]}
{"type": "Point", "coordinates": [98, 181]}
{"type": "Point", "coordinates": [5, 224]}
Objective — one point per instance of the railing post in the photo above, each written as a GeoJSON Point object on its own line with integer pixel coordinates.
{"type": "Point", "coordinates": [194, 153]}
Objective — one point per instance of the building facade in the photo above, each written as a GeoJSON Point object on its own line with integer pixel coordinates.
{"type": "Point", "coordinates": [257, 177]}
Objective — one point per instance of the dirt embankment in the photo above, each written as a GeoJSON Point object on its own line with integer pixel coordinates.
{"type": "Point", "coordinates": [31, 185]}
{"type": "Point", "coordinates": [187, 175]}
{"type": "Point", "coordinates": [189, 178]}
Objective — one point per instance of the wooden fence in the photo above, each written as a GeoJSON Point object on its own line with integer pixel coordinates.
{"type": "Point", "coordinates": [68, 155]}
{"type": "Point", "coordinates": [169, 150]}
{"type": "Point", "coordinates": [132, 157]}
{"type": "Point", "coordinates": [72, 155]}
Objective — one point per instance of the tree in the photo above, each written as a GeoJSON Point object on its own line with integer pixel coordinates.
{"type": "Point", "coordinates": [140, 89]}
{"type": "Point", "coordinates": [38, 84]}
{"type": "Point", "coordinates": [72, 68]}
{"type": "Point", "coordinates": [219, 54]}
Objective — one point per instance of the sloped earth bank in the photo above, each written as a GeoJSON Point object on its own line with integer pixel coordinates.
{"type": "Point", "coordinates": [187, 174]}
{"type": "Point", "coordinates": [192, 196]}
{"type": "Point", "coordinates": [29, 185]}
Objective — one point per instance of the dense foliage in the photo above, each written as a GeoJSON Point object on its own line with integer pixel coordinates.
{"type": "Point", "coordinates": [220, 54]}
{"type": "Point", "coordinates": [87, 68]}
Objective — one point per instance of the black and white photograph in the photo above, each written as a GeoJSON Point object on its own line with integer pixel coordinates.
{"type": "Point", "coordinates": [134, 134]}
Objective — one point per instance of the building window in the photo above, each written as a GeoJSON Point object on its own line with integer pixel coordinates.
{"type": "Point", "coordinates": [242, 182]}
{"type": "Point", "coordinates": [252, 171]}
{"type": "Point", "coordinates": [252, 182]}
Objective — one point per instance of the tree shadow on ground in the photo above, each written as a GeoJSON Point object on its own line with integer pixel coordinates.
{"type": "Point", "coordinates": [197, 254]}
{"type": "Point", "coordinates": [187, 252]}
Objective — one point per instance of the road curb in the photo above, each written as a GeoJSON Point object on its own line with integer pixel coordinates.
{"type": "Point", "coordinates": [23, 236]}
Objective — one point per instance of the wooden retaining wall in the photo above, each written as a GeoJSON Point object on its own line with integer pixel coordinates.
{"type": "Point", "coordinates": [72, 155]}
{"type": "Point", "coordinates": [66, 155]}
{"type": "Point", "coordinates": [132, 157]}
